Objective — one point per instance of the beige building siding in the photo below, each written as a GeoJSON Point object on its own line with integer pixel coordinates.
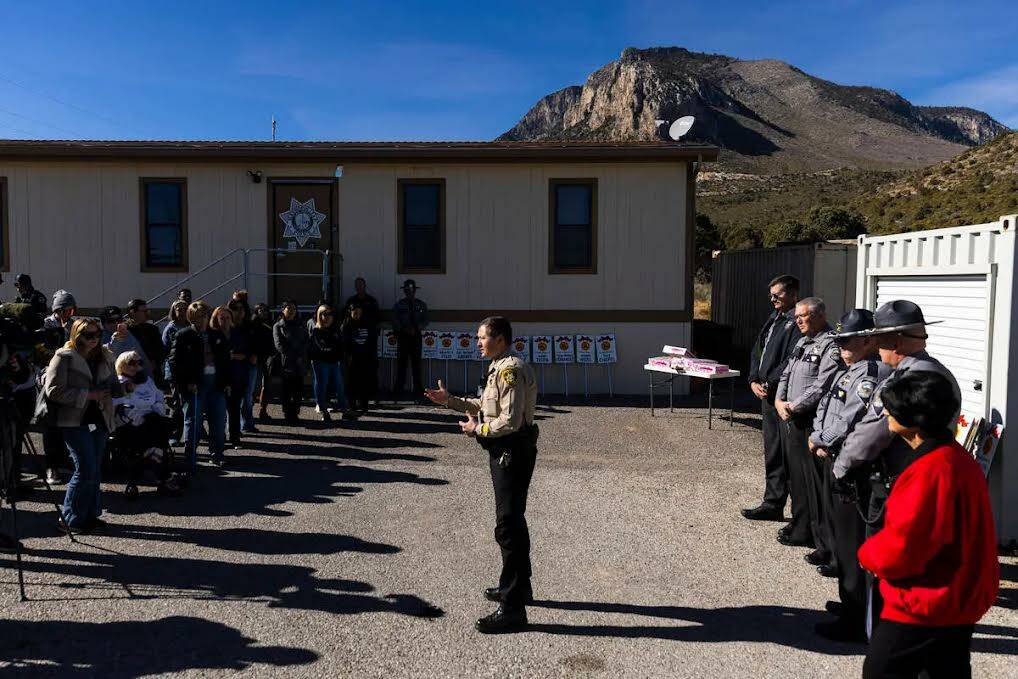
{"type": "Point", "coordinates": [497, 234]}
{"type": "Point", "coordinates": [77, 224]}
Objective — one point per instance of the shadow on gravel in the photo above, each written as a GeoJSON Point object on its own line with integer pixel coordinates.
{"type": "Point", "coordinates": [138, 577]}
{"type": "Point", "coordinates": [266, 483]}
{"type": "Point", "coordinates": [784, 625]}
{"type": "Point", "coordinates": [55, 648]}
{"type": "Point", "coordinates": [252, 540]}
{"type": "Point", "coordinates": [342, 452]}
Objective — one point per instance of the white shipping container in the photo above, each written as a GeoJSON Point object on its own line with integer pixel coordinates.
{"type": "Point", "coordinates": [964, 277]}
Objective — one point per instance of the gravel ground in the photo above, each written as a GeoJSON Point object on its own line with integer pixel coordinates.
{"type": "Point", "coordinates": [362, 550]}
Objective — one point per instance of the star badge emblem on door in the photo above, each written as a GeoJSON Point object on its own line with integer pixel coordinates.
{"type": "Point", "coordinates": [302, 221]}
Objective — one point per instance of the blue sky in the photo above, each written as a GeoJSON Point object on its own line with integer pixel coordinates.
{"type": "Point", "coordinates": [443, 70]}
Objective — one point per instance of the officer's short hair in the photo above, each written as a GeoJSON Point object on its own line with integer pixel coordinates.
{"type": "Point", "coordinates": [815, 304]}
{"type": "Point", "coordinates": [499, 326]}
{"type": "Point", "coordinates": [922, 399]}
{"type": "Point", "coordinates": [790, 283]}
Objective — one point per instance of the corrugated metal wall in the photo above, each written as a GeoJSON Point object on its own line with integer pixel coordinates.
{"type": "Point", "coordinates": [740, 277]}
{"type": "Point", "coordinates": [739, 287]}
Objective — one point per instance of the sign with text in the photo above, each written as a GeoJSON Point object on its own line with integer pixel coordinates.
{"type": "Point", "coordinates": [465, 346]}
{"type": "Point", "coordinates": [388, 343]}
{"type": "Point", "coordinates": [607, 351]}
{"type": "Point", "coordinates": [564, 349]}
{"type": "Point", "coordinates": [585, 349]}
{"type": "Point", "coordinates": [429, 344]}
{"type": "Point", "coordinates": [521, 348]}
{"type": "Point", "coordinates": [541, 347]}
{"type": "Point", "coordinates": [446, 348]}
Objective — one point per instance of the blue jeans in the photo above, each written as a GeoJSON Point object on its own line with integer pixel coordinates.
{"type": "Point", "coordinates": [208, 402]}
{"type": "Point", "coordinates": [328, 383]}
{"type": "Point", "coordinates": [82, 502]}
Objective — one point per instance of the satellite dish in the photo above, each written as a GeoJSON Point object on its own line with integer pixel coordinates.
{"type": "Point", "coordinates": [680, 127]}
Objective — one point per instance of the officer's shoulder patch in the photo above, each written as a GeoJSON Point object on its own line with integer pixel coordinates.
{"type": "Point", "coordinates": [835, 352]}
{"type": "Point", "coordinates": [509, 375]}
{"type": "Point", "coordinates": [865, 389]}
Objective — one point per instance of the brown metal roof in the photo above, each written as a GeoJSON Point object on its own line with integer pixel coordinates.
{"type": "Point", "coordinates": [330, 151]}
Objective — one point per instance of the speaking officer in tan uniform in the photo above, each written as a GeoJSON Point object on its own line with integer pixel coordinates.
{"type": "Point", "coordinates": [502, 421]}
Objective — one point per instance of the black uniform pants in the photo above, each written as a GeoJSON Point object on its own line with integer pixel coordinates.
{"type": "Point", "coordinates": [775, 472]}
{"type": "Point", "coordinates": [408, 348]}
{"type": "Point", "coordinates": [363, 377]}
{"type": "Point", "coordinates": [798, 462]}
{"type": "Point", "coordinates": [291, 394]}
{"type": "Point", "coordinates": [813, 476]}
{"type": "Point", "coordinates": [848, 531]}
{"type": "Point", "coordinates": [900, 650]}
{"type": "Point", "coordinates": [511, 482]}
{"type": "Point", "coordinates": [874, 522]}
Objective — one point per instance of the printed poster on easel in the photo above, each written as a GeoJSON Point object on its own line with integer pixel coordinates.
{"type": "Point", "coordinates": [564, 349]}
{"type": "Point", "coordinates": [388, 343]}
{"type": "Point", "coordinates": [429, 344]}
{"type": "Point", "coordinates": [521, 348]}
{"type": "Point", "coordinates": [585, 349]}
{"type": "Point", "coordinates": [541, 347]}
{"type": "Point", "coordinates": [446, 348]}
{"type": "Point", "coordinates": [464, 350]}
{"type": "Point", "coordinates": [607, 349]}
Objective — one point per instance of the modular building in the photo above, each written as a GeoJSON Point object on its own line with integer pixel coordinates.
{"type": "Point", "coordinates": [964, 277]}
{"type": "Point", "coordinates": [563, 238]}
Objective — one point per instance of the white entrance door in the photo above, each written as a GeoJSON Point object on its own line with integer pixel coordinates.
{"type": "Point", "coordinates": [962, 302]}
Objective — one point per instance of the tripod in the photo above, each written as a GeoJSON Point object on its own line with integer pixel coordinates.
{"type": "Point", "coordinates": [8, 485]}
{"type": "Point", "coordinates": [30, 447]}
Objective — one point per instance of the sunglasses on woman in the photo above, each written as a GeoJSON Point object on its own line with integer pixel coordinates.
{"type": "Point", "coordinates": [91, 335]}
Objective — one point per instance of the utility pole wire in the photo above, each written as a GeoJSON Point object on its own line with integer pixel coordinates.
{"type": "Point", "coordinates": [37, 121]}
{"type": "Point", "coordinates": [5, 79]}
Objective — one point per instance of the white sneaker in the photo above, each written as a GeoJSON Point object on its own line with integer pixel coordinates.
{"type": "Point", "coordinates": [318, 409]}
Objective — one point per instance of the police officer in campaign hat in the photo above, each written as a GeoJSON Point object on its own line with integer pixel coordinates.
{"type": "Point", "coordinates": [502, 421]}
{"type": "Point", "coordinates": [807, 375]}
{"type": "Point", "coordinates": [900, 331]}
{"type": "Point", "coordinates": [409, 318]}
{"type": "Point", "coordinates": [770, 352]}
{"type": "Point", "coordinates": [839, 411]}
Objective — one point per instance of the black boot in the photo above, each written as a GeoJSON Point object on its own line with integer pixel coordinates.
{"type": "Point", "coordinates": [503, 620]}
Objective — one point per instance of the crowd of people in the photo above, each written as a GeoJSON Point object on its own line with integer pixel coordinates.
{"type": "Point", "coordinates": [118, 389]}
{"type": "Point", "coordinates": [858, 429]}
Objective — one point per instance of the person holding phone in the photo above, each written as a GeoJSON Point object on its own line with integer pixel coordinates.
{"type": "Point", "coordinates": [81, 382]}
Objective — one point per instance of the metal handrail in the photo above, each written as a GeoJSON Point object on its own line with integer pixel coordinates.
{"type": "Point", "coordinates": [245, 272]}
{"type": "Point", "coordinates": [178, 283]}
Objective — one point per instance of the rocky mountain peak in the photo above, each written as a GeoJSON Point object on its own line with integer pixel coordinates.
{"type": "Point", "coordinates": [766, 115]}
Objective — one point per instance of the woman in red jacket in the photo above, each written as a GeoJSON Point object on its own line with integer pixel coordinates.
{"type": "Point", "coordinates": [936, 556]}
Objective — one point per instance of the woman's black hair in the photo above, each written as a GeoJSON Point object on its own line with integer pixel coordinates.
{"type": "Point", "coordinates": [924, 400]}
{"type": "Point", "coordinates": [499, 326]}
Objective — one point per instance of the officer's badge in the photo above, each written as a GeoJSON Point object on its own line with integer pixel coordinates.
{"type": "Point", "coordinates": [509, 376]}
{"type": "Point", "coordinates": [878, 403]}
{"type": "Point", "coordinates": [865, 389]}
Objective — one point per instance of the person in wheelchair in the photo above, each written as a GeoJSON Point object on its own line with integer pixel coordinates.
{"type": "Point", "coordinates": [143, 426]}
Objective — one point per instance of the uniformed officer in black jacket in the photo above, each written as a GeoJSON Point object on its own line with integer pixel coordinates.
{"type": "Point", "coordinates": [770, 352]}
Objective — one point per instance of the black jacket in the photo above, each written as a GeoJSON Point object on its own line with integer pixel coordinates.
{"type": "Point", "coordinates": [360, 340]}
{"type": "Point", "coordinates": [187, 358]}
{"type": "Point", "coordinates": [291, 340]}
{"type": "Point", "coordinates": [151, 341]}
{"type": "Point", "coordinates": [768, 368]}
{"type": "Point", "coordinates": [326, 344]}
{"type": "Point", "coordinates": [261, 340]}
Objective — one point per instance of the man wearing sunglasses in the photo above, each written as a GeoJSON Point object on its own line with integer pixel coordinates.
{"type": "Point", "coordinates": [770, 352]}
